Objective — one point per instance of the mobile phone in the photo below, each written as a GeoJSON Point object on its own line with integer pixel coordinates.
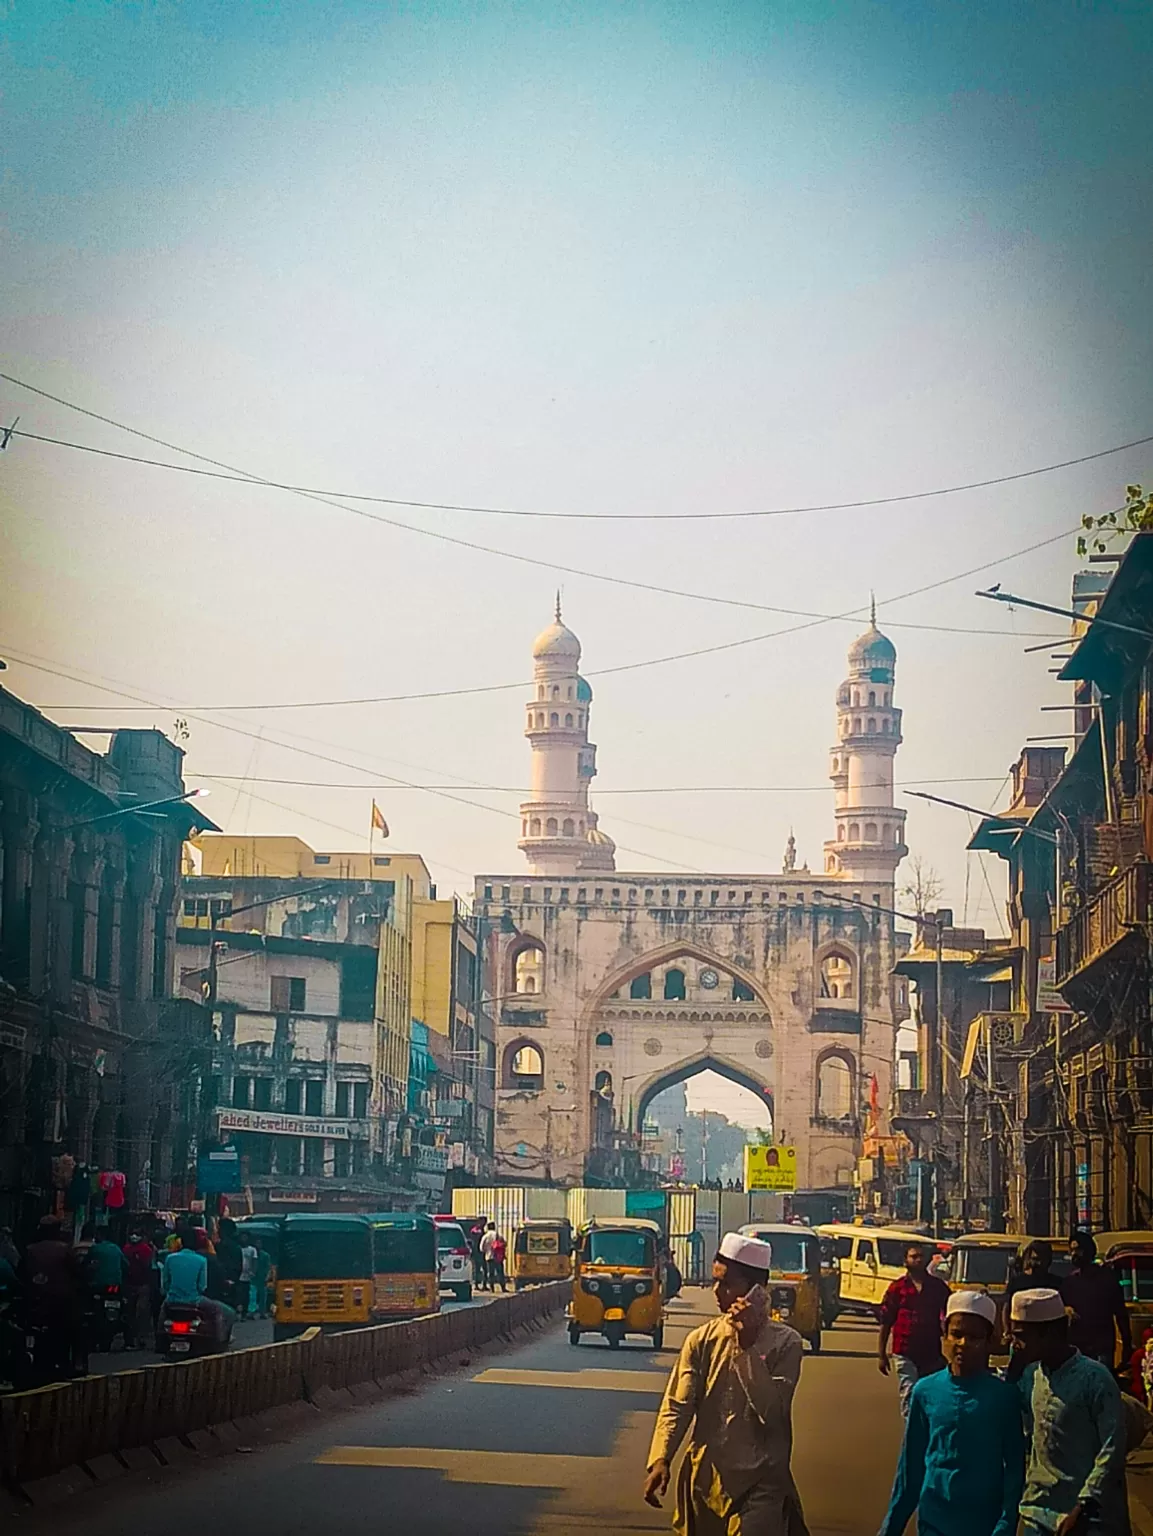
{"type": "Point", "coordinates": [758, 1297]}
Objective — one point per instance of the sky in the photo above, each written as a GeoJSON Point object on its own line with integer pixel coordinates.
{"type": "Point", "coordinates": [637, 261]}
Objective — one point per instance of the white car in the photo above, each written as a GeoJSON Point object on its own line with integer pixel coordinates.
{"type": "Point", "coordinates": [453, 1260]}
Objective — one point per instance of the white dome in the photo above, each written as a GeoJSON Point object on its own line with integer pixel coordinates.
{"type": "Point", "coordinates": [557, 641]}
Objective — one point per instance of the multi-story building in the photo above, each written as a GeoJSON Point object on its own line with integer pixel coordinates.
{"type": "Point", "coordinates": [1100, 1170]}
{"type": "Point", "coordinates": [99, 1062]}
{"type": "Point", "coordinates": [333, 975]}
{"type": "Point", "coordinates": [1036, 1100]}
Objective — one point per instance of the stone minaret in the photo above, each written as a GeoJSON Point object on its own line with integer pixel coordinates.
{"type": "Point", "coordinates": [870, 830]}
{"type": "Point", "coordinates": [559, 833]}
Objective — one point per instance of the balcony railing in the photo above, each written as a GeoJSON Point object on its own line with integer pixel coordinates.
{"type": "Point", "coordinates": [1117, 909]}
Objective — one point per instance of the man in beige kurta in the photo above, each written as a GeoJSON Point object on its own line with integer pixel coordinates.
{"type": "Point", "coordinates": [734, 1383]}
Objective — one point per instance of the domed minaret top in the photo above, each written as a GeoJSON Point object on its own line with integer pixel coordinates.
{"type": "Point", "coordinates": [557, 642]}
{"type": "Point", "coordinates": [559, 832]}
{"type": "Point", "coordinates": [870, 830]}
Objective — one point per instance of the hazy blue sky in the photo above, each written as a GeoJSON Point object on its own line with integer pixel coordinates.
{"type": "Point", "coordinates": [605, 258]}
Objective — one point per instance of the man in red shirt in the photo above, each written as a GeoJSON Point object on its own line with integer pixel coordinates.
{"type": "Point", "coordinates": [912, 1314]}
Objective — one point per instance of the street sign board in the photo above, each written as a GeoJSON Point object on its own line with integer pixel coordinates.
{"type": "Point", "coordinates": [218, 1171]}
{"type": "Point", "coordinates": [771, 1168]}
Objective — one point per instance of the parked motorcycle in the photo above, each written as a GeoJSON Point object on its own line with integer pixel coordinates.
{"type": "Point", "coordinates": [105, 1317]}
{"type": "Point", "coordinates": [187, 1328]}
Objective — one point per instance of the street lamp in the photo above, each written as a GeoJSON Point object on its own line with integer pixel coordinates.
{"type": "Point", "coordinates": [144, 808]}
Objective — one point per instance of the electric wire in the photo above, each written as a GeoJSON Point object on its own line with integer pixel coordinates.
{"type": "Point", "coordinates": [249, 477]}
{"type": "Point", "coordinates": [628, 666]}
{"type": "Point", "coordinates": [229, 472]}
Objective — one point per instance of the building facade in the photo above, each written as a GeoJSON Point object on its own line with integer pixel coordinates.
{"type": "Point", "coordinates": [1034, 1103]}
{"type": "Point", "coordinates": [614, 986]}
{"type": "Point", "coordinates": [99, 1061]}
{"type": "Point", "coordinates": [331, 977]}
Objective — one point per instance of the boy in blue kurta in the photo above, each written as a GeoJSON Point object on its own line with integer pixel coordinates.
{"type": "Point", "coordinates": [962, 1463]}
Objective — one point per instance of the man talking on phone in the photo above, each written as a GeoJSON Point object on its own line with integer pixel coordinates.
{"type": "Point", "coordinates": [734, 1383]}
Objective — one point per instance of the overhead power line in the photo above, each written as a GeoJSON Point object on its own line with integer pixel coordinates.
{"type": "Point", "coordinates": [654, 789]}
{"type": "Point", "coordinates": [248, 477]}
{"type": "Point", "coordinates": [226, 472]}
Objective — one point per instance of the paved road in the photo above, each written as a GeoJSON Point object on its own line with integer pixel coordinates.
{"type": "Point", "coordinates": [245, 1336]}
{"type": "Point", "coordinates": [539, 1441]}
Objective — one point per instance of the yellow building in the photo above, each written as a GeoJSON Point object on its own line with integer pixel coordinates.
{"type": "Point", "coordinates": [244, 875]}
{"type": "Point", "coordinates": [258, 857]}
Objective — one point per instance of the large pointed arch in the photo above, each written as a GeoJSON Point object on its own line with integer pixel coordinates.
{"type": "Point", "coordinates": [708, 1061]}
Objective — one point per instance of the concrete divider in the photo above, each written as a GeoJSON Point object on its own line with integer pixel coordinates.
{"type": "Point", "coordinates": [51, 1428]}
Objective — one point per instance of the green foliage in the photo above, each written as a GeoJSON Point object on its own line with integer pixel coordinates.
{"type": "Point", "coordinates": [1136, 516]}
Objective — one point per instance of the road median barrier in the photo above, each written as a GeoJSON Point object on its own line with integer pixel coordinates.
{"type": "Point", "coordinates": [73, 1424]}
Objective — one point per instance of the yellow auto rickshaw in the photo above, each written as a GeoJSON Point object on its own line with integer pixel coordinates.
{"type": "Point", "coordinates": [795, 1277]}
{"type": "Point", "coordinates": [984, 1261]}
{"type": "Point", "coordinates": [541, 1250]}
{"type": "Point", "coordinates": [618, 1281]}
{"type": "Point", "coordinates": [1130, 1256]}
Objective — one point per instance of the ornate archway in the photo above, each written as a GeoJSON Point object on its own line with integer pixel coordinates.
{"type": "Point", "coordinates": [708, 1062]}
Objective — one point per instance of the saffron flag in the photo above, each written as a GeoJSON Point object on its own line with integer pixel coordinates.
{"type": "Point", "coordinates": [378, 821]}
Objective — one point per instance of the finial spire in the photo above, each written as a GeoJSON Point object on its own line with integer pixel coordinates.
{"type": "Point", "coordinates": [872, 609]}
{"type": "Point", "coordinates": [558, 605]}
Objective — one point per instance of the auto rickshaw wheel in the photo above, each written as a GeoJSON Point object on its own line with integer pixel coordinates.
{"type": "Point", "coordinates": [574, 1333]}
{"type": "Point", "coordinates": [614, 1335]}
{"type": "Point", "coordinates": [659, 1337]}
{"type": "Point", "coordinates": [815, 1342]}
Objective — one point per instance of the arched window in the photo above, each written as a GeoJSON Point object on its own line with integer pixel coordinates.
{"type": "Point", "coordinates": [568, 695]}
{"type": "Point", "coordinates": [836, 764]}
{"type": "Point", "coordinates": [581, 719]}
{"type": "Point", "coordinates": [540, 691]}
{"type": "Point", "coordinates": [872, 697]}
{"type": "Point", "coordinates": [854, 832]}
{"type": "Point", "coordinates": [674, 985]}
{"type": "Point", "coordinates": [872, 727]}
{"type": "Point", "coordinates": [524, 826]}
{"type": "Point", "coordinates": [569, 828]}
{"type": "Point", "coordinates": [540, 722]}
{"type": "Point", "coordinates": [834, 1088]}
{"type": "Point", "coordinates": [568, 719]}
{"type": "Point", "coordinates": [523, 1067]}
{"type": "Point", "coordinates": [554, 718]}
{"type": "Point", "coordinates": [535, 827]}
{"type": "Point", "coordinates": [857, 726]}
{"type": "Point", "coordinates": [870, 831]}
{"type": "Point", "coordinates": [837, 976]}
{"type": "Point", "coordinates": [641, 987]}
{"type": "Point", "coordinates": [841, 832]}
{"type": "Point", "coordinates": [856, 696]}
{"type": "Point", "coordinates": [604, 1039]}
{"type": "Point", "coordinates": [528, 969]}
{"type": "Point", "coordinates": [603, 1084]}
{"type": "Point", "coordinates": [556, 692]}
{"type": "Point", "coordinates": [742, 993]}
{"type": "Point", "coordinates": [884, 727]}
{"type": "Point", "coordinates": [550, 826]}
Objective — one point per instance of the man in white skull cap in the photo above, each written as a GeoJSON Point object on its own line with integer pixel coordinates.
{"type": "Point", "coordinates": [962, 1462]}
{"type": "Point", "coordinates": [734, 1383]}
{"type": "Point", "coordinates": [1075, 1479]}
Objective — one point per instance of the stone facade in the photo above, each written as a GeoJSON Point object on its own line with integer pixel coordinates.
{"type": "Point", "coordinates": [740, 974]}
{"type": "Point", "coordinates": [614, 986]}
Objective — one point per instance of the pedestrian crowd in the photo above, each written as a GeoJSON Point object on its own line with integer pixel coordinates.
{"type": "Point", "coordinates": [77, 1292]}
{"type": "Point", "coordinates": [1036, 1449]}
